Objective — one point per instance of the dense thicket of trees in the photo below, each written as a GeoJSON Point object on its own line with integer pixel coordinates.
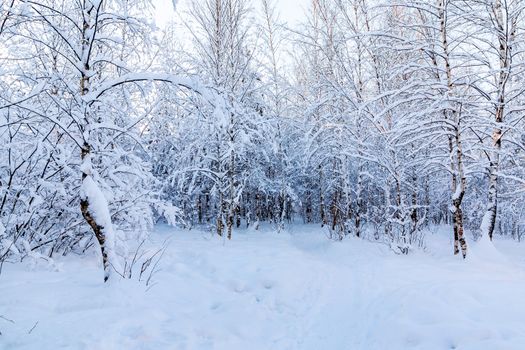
{"type": "Point", "coordinates": [371, 119]}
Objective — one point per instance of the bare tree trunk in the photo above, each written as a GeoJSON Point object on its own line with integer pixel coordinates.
{"type": "Point", "coordinates": [97, 228]}
{"type": "Point", "coordinates": [220, 224]}
{"type": "Point", "coordinates": [506, 33]}
{"type": "Point", "coordinates": [359, 200]}
{"type": "Point", "coordinates": [322, 212]}
{"type": "Point", "coordinates": [489, 219]}
{"type": "Point", "coordinates": [199, 209]}
{"type": "Point", "coordinates": [414, 214]}
{"type": "Point", "coordinates": [231, 205]}
{"type": "Point", "coordinates": [457, 198]}
{"type": "Point", "coordinates": [335, 211]}
{"type": "Point", "coordinates": [456, 160]}
{"type": "Point", "coordinates": [92, 202]}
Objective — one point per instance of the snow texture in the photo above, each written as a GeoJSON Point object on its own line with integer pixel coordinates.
{"type": "Point", "coordinates": [293, 290]}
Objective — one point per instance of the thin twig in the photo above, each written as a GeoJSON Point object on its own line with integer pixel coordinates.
{"type": "Point", "coordinates": [6, 319]}
{"type": "Point", "coordinates": [36, 323]}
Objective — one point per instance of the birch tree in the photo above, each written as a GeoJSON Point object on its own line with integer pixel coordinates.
{"type": "Point", "coordinates": [499, 34]}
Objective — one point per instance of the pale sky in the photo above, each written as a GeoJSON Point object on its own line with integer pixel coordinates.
{"type": "Point", "coordinates": [290, 11]}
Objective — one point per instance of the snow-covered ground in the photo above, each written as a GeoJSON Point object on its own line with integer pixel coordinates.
{"type": "Point", "coordinates": [264, 290]}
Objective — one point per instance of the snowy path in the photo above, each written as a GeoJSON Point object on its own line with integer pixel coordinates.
{"type": "Point", "coordinates": [275, 291]}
